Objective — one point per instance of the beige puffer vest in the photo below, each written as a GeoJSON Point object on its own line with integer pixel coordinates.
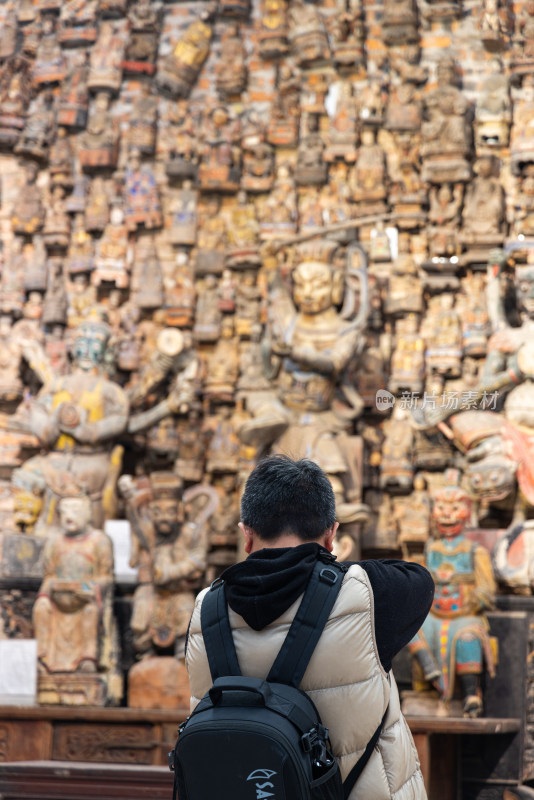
{"type": "Point", "coordinates": [345, 680]}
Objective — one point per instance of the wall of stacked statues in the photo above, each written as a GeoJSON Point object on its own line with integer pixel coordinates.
{"type": "Point", "coordinates": [224, 229]}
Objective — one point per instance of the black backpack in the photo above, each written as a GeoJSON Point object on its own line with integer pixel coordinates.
{"type": "Point", "coordinates": [254, 739]}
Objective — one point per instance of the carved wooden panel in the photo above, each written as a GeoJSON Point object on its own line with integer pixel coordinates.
{"type": "Point", "coordinates": [121, 744]}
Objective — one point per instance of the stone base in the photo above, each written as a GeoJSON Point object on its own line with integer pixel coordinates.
{"type": "Point", "coordinates": [158, 682]}
{"type": "Point", "coordinates": [72, 689]}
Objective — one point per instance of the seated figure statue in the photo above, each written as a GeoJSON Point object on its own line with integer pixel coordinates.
{"type": "Point", "coordinates": [453, 644]}
{"type": "Point", "coordinates": [72, 615]}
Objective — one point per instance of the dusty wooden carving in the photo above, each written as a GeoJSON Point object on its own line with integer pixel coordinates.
{"type": "Point", "coordinates": [446, 132]}
{"type": "Point", "coordinates": [169, 549]}
{"type": "Point", "coordinates": [72, 615]}
{"type": "Point", "coordinates": [178, 71]}
{"type": "Point", "coordinates": [99, 143]}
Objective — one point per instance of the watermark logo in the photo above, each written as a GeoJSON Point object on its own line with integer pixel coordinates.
{"type": "Point", "coordinates": [448, 401]}
{"type": "Point", "coordinates": [384, 400]}
{"type": "Point", "coordinates": [451, 401]}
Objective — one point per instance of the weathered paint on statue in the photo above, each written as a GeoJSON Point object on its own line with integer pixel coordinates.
{"type": "Point", "coordinates": [453, 645]}
{"type": "Point", "coordinates": [72, 615]}
{"type": "Point", "coordinates": [169, 549]}
{"type": "Point", "coordinates": [76, 417]}
{"type": "Point", "coordinates": [310, 342]}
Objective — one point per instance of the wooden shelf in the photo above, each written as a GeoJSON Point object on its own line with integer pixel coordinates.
{"type": "Point", "coordinates": [463, 725]}
{"type": "Point", "coordinates": [93, 714]}
{"type": "Point", "coordinates": [66, 780]}
{"type": "Point", "coordinates": [418, 724]}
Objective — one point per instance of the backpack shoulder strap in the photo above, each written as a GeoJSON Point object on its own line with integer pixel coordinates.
{"type": "Point", "coordinates": [218, 639]}
{"type": "Point", "coordinates": [307, 626]}
{"type": "Point", "coordinates": [356, 771]}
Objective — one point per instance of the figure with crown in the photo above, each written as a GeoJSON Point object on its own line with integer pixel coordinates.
{"type": "Point", "coordinates": [77, 418]}
{"type": "Point", "coordinates": [453, 645]}
{"type": "Point", "coordinates": [315, 328]}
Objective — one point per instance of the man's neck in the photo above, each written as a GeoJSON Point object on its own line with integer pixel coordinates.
{"type": "Point", "coordinates": [286, 540]}
{"type": "Point", "coordinates": [253, 542]}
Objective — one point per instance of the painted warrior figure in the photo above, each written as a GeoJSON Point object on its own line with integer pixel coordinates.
{"type": "Point", "coordinates": [40, 127]}
{"type": "Point", "coordinates": [169, 550]}
{"type": "Point", "coordinates": [453, 644]}
{"type": "Point", "coordinates": [143, 122]}
{"type": "Point", "coordinates": [105, 73]}
{"type": "Point", "coordinates": [113, 253]}
{"type": "Point", "coordinates": [142, 48]}
{"type": "Point", "coordinates": [483, 213]}
{"type": "Point", "coordinates": [73, 102]}
{"type": "Point", "coordinates": [274, 29]}
{"type": "Point", "coordinates": [99, 143]}
{"type": "Point", "coordinates": [50, 65]}
{"type": "Point", "coordinates": [28, 213]}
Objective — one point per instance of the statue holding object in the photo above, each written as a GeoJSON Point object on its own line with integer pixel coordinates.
{"type": "Point", "coordinates": [73, 617]}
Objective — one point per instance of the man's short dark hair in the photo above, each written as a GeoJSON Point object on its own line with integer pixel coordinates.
{"type": "Point", "coordinates": [285, 496]}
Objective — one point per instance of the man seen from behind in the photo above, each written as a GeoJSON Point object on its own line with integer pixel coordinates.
{"type": "Point", "coordinates": [288, 520]}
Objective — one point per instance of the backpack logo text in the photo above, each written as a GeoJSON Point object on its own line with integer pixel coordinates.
{"type": "Point", "coordinates": [261, 777]}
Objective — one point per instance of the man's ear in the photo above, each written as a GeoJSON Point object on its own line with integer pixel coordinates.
{"type": "Point", "coordinates": [330, 536]}
{"type": "Point", "coordinates": [248, 535]}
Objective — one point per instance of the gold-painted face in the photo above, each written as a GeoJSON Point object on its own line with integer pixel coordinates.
{"type": "Point", "coordinates": [313, 287]}
{"type": "Point", "coordinates": [26, 509]}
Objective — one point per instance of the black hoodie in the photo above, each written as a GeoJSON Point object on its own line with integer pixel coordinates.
{"type": "Point", "coordinates": [261, 588]}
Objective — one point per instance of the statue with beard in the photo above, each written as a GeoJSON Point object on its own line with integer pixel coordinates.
{"type": "Point", "coordinates": [169, 547]}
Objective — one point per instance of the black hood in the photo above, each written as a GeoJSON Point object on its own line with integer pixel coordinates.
{"type": "Point", "coordinates": [261, 588]}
